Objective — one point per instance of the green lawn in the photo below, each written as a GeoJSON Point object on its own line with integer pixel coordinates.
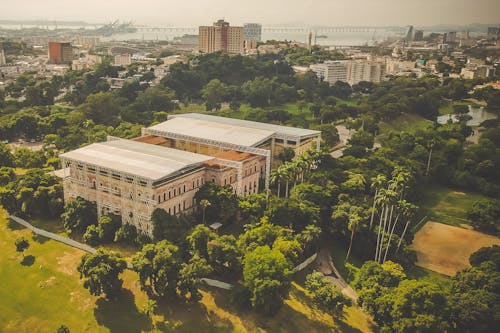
{"type": "Point", "coordinates": [446, 205]}
{"type": "Point", "coordinates": [407, 122]}
{"type": "Point", "coordinates": [43, 291]}
{"type": "Point", "coordinates": [448, 108]}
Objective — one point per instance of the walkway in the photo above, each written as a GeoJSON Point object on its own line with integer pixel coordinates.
{"type": "Point", "coordinates": [326, 266]}
{"type": "Point", "coordinates": [59, 238]}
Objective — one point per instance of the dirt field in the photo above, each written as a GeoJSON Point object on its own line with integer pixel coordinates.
{"type": "Point", "coordinates": [446, 249]}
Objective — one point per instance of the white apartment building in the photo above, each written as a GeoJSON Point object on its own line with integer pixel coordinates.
{"type": "Point", "coordinates": [350, 71]}
{"type": "Point", "coordinates": [252, 31]}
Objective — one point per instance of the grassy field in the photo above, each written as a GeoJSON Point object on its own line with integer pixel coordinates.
{"type": "Point", "coordinates": [406, 122]}
{"type": "Point", "coordinates": [446, 205]}
{"type": "Point", "coordinates": [43, 291]}
{"type": "Point", "coordinates": [448, 108]}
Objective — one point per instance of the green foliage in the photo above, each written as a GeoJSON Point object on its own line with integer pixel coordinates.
{"type": "Point", "coordinates": [102, 108]}
{"type": "Point", "coordinates": [21, 244]}
{"type": "Point", "coordinates": [100, 272]}
{"type": "Point", "coordinates": [190, 275]}
{"type": "Point", "coordinates": [266, 273]}
{"type": "Point", "coordinates": [199, 238]}
{"type": "Point", "coordinates": [169, 227]}
{"type": "Point", "coordinates": [63, 329]}
{"type": "Point", "coordinates": [79, 214]}
{"type": "Point", "coordinates": [224, 254]}
{"type": "Point", "coordinates": [6, 158]}
{"type": "Point", "coordinates": [91, 235]}
{"type": "Point", "coordinates": [108, 226]}
{"type": "Point", "coordinates": [127, 233]}
{"type": "Point", "coordinates": [485, 216]}
{"type": "Point", "coordinates": [158, 267]}
{"type": "Point", "coordinates": [325, 294]}
{"type": "Point", "coordinates": [223, 203]}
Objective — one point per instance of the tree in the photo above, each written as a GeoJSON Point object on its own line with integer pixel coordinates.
{"type": "Point", "coordinates": [198, 239]}
{"type": "Point", "coordinates": [266, 273]}
{"type": "Point", "coordinates": [79, 214]}
{"type": "Point", "coordinates": [149, 308]}
{"type": "Point", "coordinates": [108, 226]}
{"type": "Point", "coordinates": [325, 294]}
{"type": "Point", "coordinates": [158, 267]}
{"type": "Point", "coordinates": [91, 235]}
{"type": "Point", "coordinates": [223, 202]}
{"type": "Point", "coordinates": [6, 158]}
{"type": "Point", "coordinates": [485, 216]}
{"type": "Point", "coordinates": [353, 226]}
{"type": "Point", "coordinates": [21, 245]}
{"type": "Point", "coordinates": [214, 93]}
{"type": "Point", "coordinates": [63, 329]}
{"type": "Point", "coordinates": [224, 254]}
{"type": "Point", "coordinates": [190, 275]}
{"type": "Point", "coordinates": [102, 108]}
{"type": "Point", "coordinates": [126, 233]}
{"type": "Point", "coordinates": [100, 272]}
{"type": "Point", "coordinates": [204, 203]}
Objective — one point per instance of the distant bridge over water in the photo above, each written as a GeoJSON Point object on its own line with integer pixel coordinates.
{"type": "Point", "coordinates": [274, 29]}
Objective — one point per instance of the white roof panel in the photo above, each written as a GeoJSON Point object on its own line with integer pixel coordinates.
{"type": "Point", "coordinates": [213, 130]}
{"type": "Point", "coordinates": [278, 129]}
{"type": "Point", "coordinates": [136, 158]}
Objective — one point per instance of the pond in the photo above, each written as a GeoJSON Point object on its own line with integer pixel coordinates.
{"type": "Point", "coordinates": [478, 116]}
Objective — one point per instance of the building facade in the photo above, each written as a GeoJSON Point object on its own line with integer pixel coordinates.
{"type": "Point", "coordinates": [3, 61]}
{"type": "Point", "coordinates": [252, 31]}
{"type": "Point", "coordinates": [124, 59]}
{"type": "Point", "coordinates": [60, 53]}
{"type": "Point", "coordinates": [350, 71]}
{"type": "Point", "coordinates": [165, 167]}
{"type": "Point", "coordinates": [220, 37]}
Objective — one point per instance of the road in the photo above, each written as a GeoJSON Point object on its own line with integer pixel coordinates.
{"type": "Point", "coordinates": [326, 266]}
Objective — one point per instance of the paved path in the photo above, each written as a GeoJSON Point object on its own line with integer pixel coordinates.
{"type": "Point", "coordinates": [326, 266]}
{"type": "Point", "coordinates": [59, 238]}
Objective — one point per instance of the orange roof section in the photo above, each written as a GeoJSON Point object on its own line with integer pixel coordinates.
{"type": "Point", "coordinates": [151, 139]}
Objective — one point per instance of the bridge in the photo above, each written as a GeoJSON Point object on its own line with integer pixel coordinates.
{"type": "Point", "coordinates": [269, 29]}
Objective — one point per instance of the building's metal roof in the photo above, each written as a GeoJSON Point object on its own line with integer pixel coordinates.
{"type": "Point", "coordinates": [275, 129]}
{"type": "Point", "coordinates": [214, 130]}
{"type": "Point", "coordinates": [136, 158]}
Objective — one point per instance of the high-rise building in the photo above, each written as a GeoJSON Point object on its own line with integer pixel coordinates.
{"type": "Point", "coordinates": [220, 37]}
{"type": "Point", "coordinates": [2, 58]}
{"type": "Point", "coordinates": [419, 36]}
{"type": "Point", "coordinates": [252, 31]}
{"type": "Point", "coordinates": [450, 37]}
{"type": "Point", "coordinates": [493, 32]}
{"type": "Point", "coordinates": [123, 59]}
{"type": "Point", "coordinates": [331, 71]}
{"type": "Point", "coordinates": [409, 34]}
{"type": "Point", "coordinates": [60, 53]}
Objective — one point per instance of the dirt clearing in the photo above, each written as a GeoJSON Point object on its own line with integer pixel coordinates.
{"type": "Point", "coordinates": [446, 249]}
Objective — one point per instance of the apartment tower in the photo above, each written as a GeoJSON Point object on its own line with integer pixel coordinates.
{"type": "Point", "coordinates": [220, 37]}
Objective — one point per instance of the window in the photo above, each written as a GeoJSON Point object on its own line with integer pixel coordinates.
{"type": "Point", "coordinates": [197, 182]}
{"type": "Point", "coordinates": [184, 205]}
{"type": "Point", "coordinates": [175, 192]}
{"type": "Point", "coordinates": [174, 209]}
{"type": "Point", "coordinates": [230, 179]}
{"type": "Point", "coordinates": [225, 181]}
{"type": "Point", "coordinates": [159, 199]}
{"type": "Point", "coordinates": [165, 196]}
{"type": "Point", "coordinates": [169, 211]}
{"type": "Point", "coordinates": [184, 188]}
{"type": "Point", "coordinates": [179, 208]}
{"type": "Point", "coordinates": [255, 168]}
{"type": "Point", "coordinates": [169, 195]}
{"type": "Point", "coordinates": [193, 184]}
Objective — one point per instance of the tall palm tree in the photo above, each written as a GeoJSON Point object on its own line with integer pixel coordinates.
{"type": "Point", "coordinates": [287, 169]}
{"type": "Point", "coordinates": [387, 200]}
{"type": "Point", "coordinates": [276, 177]}
{"type": "Point", "coordinates": [377, 183]}
{"type": "Point", "coordinates": [204, 203]}
{"type": "Point", "coordinates": [301, 165]}
{"type": "Point", "coordinates": [353, 226]}
{"type": "Point", "coordinates": [405, 209]}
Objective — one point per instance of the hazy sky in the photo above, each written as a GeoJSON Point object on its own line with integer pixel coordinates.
{"type": "Point", "coordinates": [320, 12]}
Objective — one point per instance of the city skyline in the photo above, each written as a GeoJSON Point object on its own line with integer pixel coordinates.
{"type": "Point", "coordinates": [202, 12]}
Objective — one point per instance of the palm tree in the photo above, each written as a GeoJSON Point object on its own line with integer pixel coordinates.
{"type": "Point", "coordinates": [301, 165]}
{"type": "Point", "coordinates": [377, 183]}
{"type": "Point", "coordinates": [276, 177]}
{"type": "Point", "coordinates": [386, 199]}
{"type": "Point", "coordinates": [204, 203]}
{"type": "Point", "coordinates": [310, 235]}
{"type": "Point", "coordinates": [405, 209]}
{"type": "Point", "coordinates": [354, 222]}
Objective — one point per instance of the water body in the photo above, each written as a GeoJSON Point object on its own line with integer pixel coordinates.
{"type": "Point", "coordinates": [478, 116]}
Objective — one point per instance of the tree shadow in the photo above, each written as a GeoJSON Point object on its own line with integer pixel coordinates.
{"type": "Point", "coordinates": [182, 316]}
{"type": "Point", "coordinates": [121, 314]}
{"type": "Point", "coordinates": [39, 239]}
{"type": "Point", "coordinates": [14, 225]}
{"type": "Point", "coordinates": [28, 260]}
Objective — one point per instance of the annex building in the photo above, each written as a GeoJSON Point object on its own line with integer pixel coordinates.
{"type": "Point", "coordinates": [170, 161]}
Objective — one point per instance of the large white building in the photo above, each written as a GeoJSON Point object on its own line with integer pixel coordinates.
{"type": "Point", "coordinates": [252, 31]}
{"type": "Point", "coordinates": [350, 71]}
{"type": "Point", "coordinates": [166, 165]}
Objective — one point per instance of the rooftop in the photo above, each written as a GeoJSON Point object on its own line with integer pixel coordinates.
{"type": "Point", "coordinates": [214, 130]}
{"type": "Point", "coordinates": [140, 159]}
{"type": "Point", "coordinates": [277, 129]}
